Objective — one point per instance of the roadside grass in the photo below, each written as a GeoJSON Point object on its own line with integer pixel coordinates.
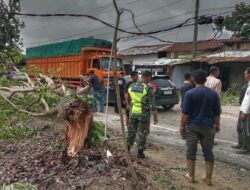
{"type": "Point", "coordinates": [9, 132]}
{"type": "Point", "coordinates": [19, 186]}
{"type": "Point", "coordinates": [231, 96]}
{"type": "Point", "coordinates": [164, 183]}
{"type": "Point", "coordinates": [229, 99]}
{"type": "Point", "coordinates": [13, 124]}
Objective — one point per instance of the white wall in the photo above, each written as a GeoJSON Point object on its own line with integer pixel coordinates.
{"type": "Point", "coordinates": [127, 60]}
{"type": "Point", "coordinates": [178, 74]}
{"type": "Point", "coordinates": [139, 59]}
{"type": "Point", "coordinates": [142, 59]}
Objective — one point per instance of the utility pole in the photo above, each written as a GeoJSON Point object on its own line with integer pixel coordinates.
{"type": "Point", "coordinates": [197, 5]}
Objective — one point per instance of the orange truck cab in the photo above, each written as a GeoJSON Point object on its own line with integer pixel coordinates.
{"type": "Point", "coordinates": [60, 62]}
{"type": "Point", "coordinates": [97, 59]}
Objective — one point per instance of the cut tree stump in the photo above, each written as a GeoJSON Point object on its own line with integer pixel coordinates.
{"type": "Point", "coordinates": [79, 122]}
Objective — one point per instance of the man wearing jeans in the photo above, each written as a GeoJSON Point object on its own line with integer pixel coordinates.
{"type": "Point", "coordinates": [245, 117]}
{"type": "Point", "coordinates": [97, 91]}
{"type": "Point", "coordinates": [201, 110]}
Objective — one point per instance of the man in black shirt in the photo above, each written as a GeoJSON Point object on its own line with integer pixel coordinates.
{"type": "Point", "coordinates": [188, 85]}
{"type": "Point", "coordinates": [134, 78]}
{"type": "Point", "coordinates": [201, 110]}
{"type": "Point", "coordinates": [121, 83]}
{"type": "Point", "coordinates": [98, 91]}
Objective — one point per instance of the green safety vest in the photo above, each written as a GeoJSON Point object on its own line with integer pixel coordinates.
{"type": "Point", "coordinates": [137, 91]}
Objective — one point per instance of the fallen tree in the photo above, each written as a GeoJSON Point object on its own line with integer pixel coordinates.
{"type": "Point", "coordinates": [73, 108]}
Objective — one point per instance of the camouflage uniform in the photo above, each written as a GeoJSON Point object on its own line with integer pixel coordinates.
{"type": "Point", "coordinates": [142, 103]}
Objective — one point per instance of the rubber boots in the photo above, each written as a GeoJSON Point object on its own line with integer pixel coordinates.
{"type": "Point", "coordinates": [191, 171]}
{"type": "Point", "coordinates": [209, 172]}
{"type": "Point", "coordinates": [140, 154]}
{"type": "Point", "coordinates": [129, 147]}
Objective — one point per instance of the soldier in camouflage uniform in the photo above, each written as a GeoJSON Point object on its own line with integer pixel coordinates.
{"type": "Point", "coordinates": [142, 103]}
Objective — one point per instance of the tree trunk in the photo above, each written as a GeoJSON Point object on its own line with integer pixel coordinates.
{"type": "Point", "coordinates": [79, 122]}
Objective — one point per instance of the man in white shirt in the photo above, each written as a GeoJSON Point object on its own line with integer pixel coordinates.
{"type": "Point", "coordinates": [212, 80]}
{"type": "Point", "coordinates": [245, 116]}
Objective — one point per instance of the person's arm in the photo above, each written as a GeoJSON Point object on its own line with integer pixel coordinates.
{"type": "Point", "coordinates": [127, 100]}
{"type": "Point", "coordinates": [184, 119]}
{"type": "Point", "coordinates": [185, 114]}
{"type": "Point", "coordinates": [218, 87]}
{"type": "Point", "coordinates": [245, 106]}
{"type": "Point", "coordinates": [217, 123]}
{"type": "Point", "coordinates": [89, 81]}
{"type": "Point", "coordinates": [153, 105]}
{"type": "Point", "coordinates": [217, 113]}
{"type": "Point", "coordinates": [127, 97]}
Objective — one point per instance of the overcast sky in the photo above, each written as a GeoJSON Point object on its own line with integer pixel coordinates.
{"type": "Point", "coordinates": [150, 14]}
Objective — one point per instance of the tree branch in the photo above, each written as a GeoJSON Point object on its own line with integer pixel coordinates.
{"type": "Point", "coordinates": [12, 91]}
{"type": "Point", "coordinates": [82, 91]}
{"type": "Point", "coordinates": [46, 113]}
{"type": "Point", "coordinates": [45, 104]}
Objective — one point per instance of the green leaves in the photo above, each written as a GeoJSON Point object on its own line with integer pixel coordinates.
{"type": "Point", "coordinates": [12, 123]}
{"type": "Point", "coordinates": [10, 26]}
{"type": "Point", "coordinates": [231, 96]}
{"type": "Point", "coordinates": [97, 134]}
{"type": "Point", "coordinates": [239, 21]}
{"type": "Point", "coordinates": [19, 186]}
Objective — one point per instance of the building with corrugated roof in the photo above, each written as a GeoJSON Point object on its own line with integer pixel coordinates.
{"type": "Point", "coordinates": [232, 56]}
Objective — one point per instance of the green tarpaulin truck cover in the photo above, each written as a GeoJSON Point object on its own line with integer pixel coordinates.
{"type": "Point", "coordinates": [71, 47]}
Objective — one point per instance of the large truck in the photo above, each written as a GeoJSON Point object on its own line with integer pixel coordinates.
{"type": "Point", "coordinates": [72, 59]}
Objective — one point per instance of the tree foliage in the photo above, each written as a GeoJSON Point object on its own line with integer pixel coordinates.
{"type": "Point", "coordinates": [10, 25]}
{"type": "Point", "coordinates": [239, 21]}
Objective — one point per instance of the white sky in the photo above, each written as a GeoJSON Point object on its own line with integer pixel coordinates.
{"type": "Point", "coordinates": [151, 14]}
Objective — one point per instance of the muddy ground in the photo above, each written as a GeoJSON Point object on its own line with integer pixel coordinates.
{"type": "Point", "coordinates": [40, 160]}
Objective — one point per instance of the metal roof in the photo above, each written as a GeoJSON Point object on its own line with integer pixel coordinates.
{"type": "Point", "coordinates": [184, 46]}
{"type": "Point", "coordinates": [143, 50]}
{"type": "Point", "coordinates": [201, 46]}
{"type": "Point", "coordinates": [164, 61]}
{"type": "Point", "coordinates": [227, 56]}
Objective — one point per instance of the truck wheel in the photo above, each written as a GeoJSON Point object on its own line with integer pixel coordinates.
{"type": "Point", "coordinates": [167, 107]}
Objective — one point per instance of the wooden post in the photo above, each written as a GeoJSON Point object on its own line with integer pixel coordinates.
{"type": "Point", "coordinates": [117, 89]}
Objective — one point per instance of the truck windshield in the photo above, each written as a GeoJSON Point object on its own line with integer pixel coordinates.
{"type": "Point", "coordinates": [105, 63]}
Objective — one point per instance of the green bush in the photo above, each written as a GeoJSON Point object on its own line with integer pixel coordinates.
{"type": "Point", "coordinates": [14, 132]}
{"type": "Point", "coordinates": [229, 100]}
{"type": "Point", "coordinates": [19, 186]}
{"type": "Point", "coordinates": [4, 82]}
{"type": "Point", "coordinates": [12, 122]}
{"type": "Point", "coordinates": [97, 133]}
{"type": "Point", "coordinates": [231, 96]}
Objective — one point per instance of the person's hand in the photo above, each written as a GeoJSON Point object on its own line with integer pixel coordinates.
{"type": "Point", "coordinates": [216, 128]}
{"type": "Point", "coordinates": [155, 119]}
{"type": "Point", "coordinates": [182, 130]}
{"type": "Point", "coordinates": [242, 116]}
{"type": "Point", "coordinates": [128, 107]}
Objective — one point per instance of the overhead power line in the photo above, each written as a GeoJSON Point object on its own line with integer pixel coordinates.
{"type": "Point", "coordinates": [139, 30]}
{"type": "Point", "coordinates": [144, 24]}
{"type": "Point", "coordinates": [99, 20]}
{"type": "Point", "coordinates": [127, 19]}
{"type": "Point", "coordinates": [109, 5]}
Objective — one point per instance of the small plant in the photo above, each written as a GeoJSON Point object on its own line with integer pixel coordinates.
{"type": "Point", "coordinates": [164, 183]}
{"type": "Point", "coordinates": [231, 96]}
{"type": "Point", "coordinates": [97, 134]}
{"type": "Point", "coordinates": [19, 186]}
{"type": "Point", "coordinates": [4, 82]}
{"type": "Point", "coordinates": [14, 132]}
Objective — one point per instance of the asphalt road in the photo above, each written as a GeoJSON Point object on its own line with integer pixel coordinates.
{"type": "Point", "coordinates": [170, 119]}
